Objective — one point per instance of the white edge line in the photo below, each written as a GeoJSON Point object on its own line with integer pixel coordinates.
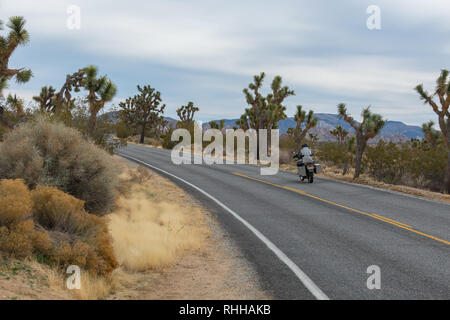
{"type": "Point", "coordinates": [307, 282]}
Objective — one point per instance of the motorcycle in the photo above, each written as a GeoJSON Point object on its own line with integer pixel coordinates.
{"type": "Point", "coordinates": [306, 168]}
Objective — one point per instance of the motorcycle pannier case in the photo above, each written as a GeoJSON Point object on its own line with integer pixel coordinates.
{"type": "Point", "coordinates": [317, 168]}
{"type": "Point", "coordinates": [301, 171]}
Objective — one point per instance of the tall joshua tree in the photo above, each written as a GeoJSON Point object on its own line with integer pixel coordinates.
{"type": "Point", "coordinates": [50, 100]}
{"type": "Point", "coordinates": [17, 36]}
{"type": "Point", "coordinates": [186, 114]}
{"type": "Point", "coordinates": [144, 109]}
{"type": "Point", "coordinates": [441, 108]}
{"type": "Point", "coordinates": [369, 128]}
{"type": "Point", "coordinates": [265, 111]}
{"type": "Point", "coordinates": [339, 133]}
{"type": "Point", "coordinates": [100, 90]}
{"type": "Point", "coordinates": [301, 117]}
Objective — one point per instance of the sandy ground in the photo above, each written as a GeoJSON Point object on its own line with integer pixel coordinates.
{"type": "Point", "coordinates": [29, 281]}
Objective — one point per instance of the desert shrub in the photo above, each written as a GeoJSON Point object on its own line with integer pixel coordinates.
{"type": "Point", "coordinates": [15, 240]}
{"type": "Point", "coordinates": [287, 143]}
{"type": "Point", "coordinates": [153, 141]}
{"type": "Point", "coordinates": [66, 254]}
{"type": "Point", "coordinates": [16, 226]}
{"type": "Point", "coordinates": [286, 156]}
{"type": "Point", "coordinates": [95, 260]}
{"type": "Point", "coordinates": [61, 232]}
{"type": "Point", "coordinates": [15, 201]}
{"type": "Point", "coordinates": [42, 243]}
{"type": "Point", "coordinates": [46, 153]}
{"type": "Point", "coordinates": [104, 259]}
{"type": "Point", "coordinates": [334, 154]}
{"type": "Point", "coordinates": [407, 164]}
{"type": "Point", "coordinates": [56, 210]}
{"type": "Point", "coordinates": [123, 131]}
{"type": "Point", "coordinates": [89, 245]}
{"type": "Point", "coordinates": [402, 163]}
{"type": "Point", "coordinates": [386, 162]}
{"type": "Point", "coordinates": [167, 142]}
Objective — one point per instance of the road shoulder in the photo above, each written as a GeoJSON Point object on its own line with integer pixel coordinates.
{"type": "Point", "coordinates": [217, 271]}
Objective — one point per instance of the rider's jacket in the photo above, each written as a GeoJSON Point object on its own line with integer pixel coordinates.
{"type": "Point", "coordinates": [305, 154]}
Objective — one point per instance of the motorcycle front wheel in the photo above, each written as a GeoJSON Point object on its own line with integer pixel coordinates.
{"type": "Point", "coordinates": [311, 178]}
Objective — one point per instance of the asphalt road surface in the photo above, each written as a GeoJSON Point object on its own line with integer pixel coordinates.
{"type": "Point", "coordinates": [324, 240]}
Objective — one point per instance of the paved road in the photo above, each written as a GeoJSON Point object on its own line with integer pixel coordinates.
{"type": "Point", "coordinates": [317, 240]}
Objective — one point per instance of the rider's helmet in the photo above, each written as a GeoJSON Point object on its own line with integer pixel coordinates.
{"type": "Point", "coordinates": [305, 145]}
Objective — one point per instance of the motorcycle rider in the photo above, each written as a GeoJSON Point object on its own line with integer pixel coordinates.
{"type": "Point", "coordinates": [305, 170]}
{"type": "Point", "coordinates": [304, 155]}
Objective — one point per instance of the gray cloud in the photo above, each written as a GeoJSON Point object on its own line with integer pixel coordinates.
{"type": "Point", "coordinates": [212, 48]}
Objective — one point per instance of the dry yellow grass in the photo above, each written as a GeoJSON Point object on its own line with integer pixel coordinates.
{"type": "Point", "coordinates": [92, 287]}
{"type": "Point", "coordinates": [150, 230]}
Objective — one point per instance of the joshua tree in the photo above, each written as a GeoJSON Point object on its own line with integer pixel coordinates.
{"type": "Point", "coordinates": [432, 136]}
{"type": "Point", "coordinates": [46, 99]}
{"type": "Point", "coordinates": [313, 137]}
{"type": "Point", "coordinates": [340, 134]}
{"type": "Point", "coordinates": [100, 90]}
{"type": "Point", "coordinates": [242, 122]}
{"type": "Point", "coordinates": [161, 126]}
{"type": "Point", "coordinates": [265, 112]}
{"type": "Point", "coordinates": [17, 36]}
{"type": "Point", "coordinates": [301, 117]}
{"type": "Point", "coordinates": [442, 92]}
{"type": "Point", "coordinates": [186, 114]}
{"type": "Point", "coordinates": [16, 105]}
{"type": "Point", "coordinates": [15, 111]}
{"type": "Point", "coordinates": [369, 128]}
{"type": "Point", "coordinates": [350, 149]}
{"type": "Point", "coordinates": [214, 125]}
{"type": "Point", "coordinates": [143, 109]}
{"type": "Point", "coordinates": [51, 101]}
{"type": "Point", "coordinates": [127, 112]}
{"type": "Point", "coordinates": [74, 82]}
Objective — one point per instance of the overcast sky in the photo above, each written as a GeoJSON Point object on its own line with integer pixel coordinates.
{"type": "Point", "coordinates": [207, 51]}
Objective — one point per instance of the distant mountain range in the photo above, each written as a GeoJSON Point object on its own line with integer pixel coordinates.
{"type": "Point", "coordinates": [394, 131]}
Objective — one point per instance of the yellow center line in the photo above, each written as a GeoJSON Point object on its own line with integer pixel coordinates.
{"type": "Point", "coordinates": [372, 215]}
